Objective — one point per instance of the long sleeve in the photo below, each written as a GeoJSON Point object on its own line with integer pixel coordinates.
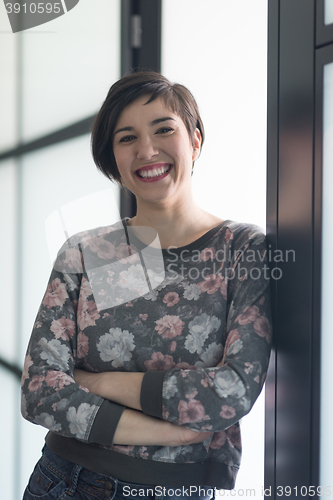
{"type": "Point", "coordinates": [50, 396]}
{"type": "Point", "coordinates": [215, 397]}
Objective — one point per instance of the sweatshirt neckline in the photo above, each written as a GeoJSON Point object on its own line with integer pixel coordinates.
{"type": "Point", "coordinates": [194, 245]}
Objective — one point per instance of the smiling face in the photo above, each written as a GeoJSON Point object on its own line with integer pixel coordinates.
{"type": "Point", "coordinates": [153, 151]}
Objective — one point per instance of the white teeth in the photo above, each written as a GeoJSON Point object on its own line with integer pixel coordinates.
{"type": "Point", "coordinates": [154, 172]}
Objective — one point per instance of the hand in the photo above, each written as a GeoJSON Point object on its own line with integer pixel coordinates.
{"type": "Point", "coordinates": [136, 428]}
{"type": "Point", "coordinates": [188, 436]}
{"type": "Point", "coordinates": [87, 379]}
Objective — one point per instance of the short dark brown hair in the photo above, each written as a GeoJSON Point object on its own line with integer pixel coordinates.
{"type": "Point", "coordinates": [175, 97]}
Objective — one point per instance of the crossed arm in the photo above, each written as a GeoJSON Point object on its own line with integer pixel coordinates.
{"type": "Point", "coordinates": [134, 427]}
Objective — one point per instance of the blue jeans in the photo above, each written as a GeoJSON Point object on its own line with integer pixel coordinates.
{"type": "Point", "coordinates": [55, 478]}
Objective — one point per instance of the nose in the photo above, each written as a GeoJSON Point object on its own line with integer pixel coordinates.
{"type": "Point", "coordinates": [146, 148]}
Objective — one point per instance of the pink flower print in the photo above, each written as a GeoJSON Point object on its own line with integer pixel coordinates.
{"type": "Point", "coordinates": [169, 326]}
{"type": "Point", "coordinates": [206, 428]}
{"type": "Point", "coordinates": [104, 249]}
{"type": "Point", "coordinates": [171, 298]}
{"type": "Point", "coordinates": [159, 361]}
{"type": "Point", "coordinates": [86, 289]}
{"type": "Point", "coordinates": [129, 304]}
{"type": "Point", "coordinates": [110, 278]}
{"type": "Point", "coordinates": [193, 411]}
{"type": "Point", "coordinates": [82, 345]}
{"type": "Point", "coordinates": [74, 259]}
{"type": "Point", "coordinates": [58, 380]}
{"type": "Point", "coordinates": [249, 315]}
{"type": "Point", "coordinates": [263, 328]}
{"type": "Point", "coordinates": [218, 440]}
{"type": "Point", "coordinates": [125, 450]}
{"type": "Point", "coordinates": [27, 363]}
{"type": "Point", "coordinates": [172, 346]}
{"type": "Point", "coordinates": [207, 253]}
{"type": "Point", "coordinates": [38, 324]}
{"type": "Point", "coordinates": [63, 328]}
{"type": "Point", "coordinates": [249, 368]}
{"type": "Point", "coordinates": [84, 235]}
{"type": "Point", "coordinates": [106, 230]}
{"type": "Point", "coordinates": [211, 284]}
{"type": "Point", "coordinates": [36, 383]}
{"type": "Point", "coordinates": [165, 413]}
{"type": "Point", "coordinates": [228, 235]}
{"type": "Point", "coordinates": [234, 437]}
{"type": "Point", "coordinates": [143, 316]}
{"type": "Point", "coordinates": [204, 382]}
{"type": "Point", "coordinates": [125, 254]}
{"type": "Point", "coordinates": [257, 379]}
{"type": "Point", "coordinates": [224, 288]}
{"type": "Point", "coordinates": [56, 294]}
{"type": "Point", "coordinates": [227, 411]}
{"type": "Point", "coordinates": [85, 389]}
{"type": "Point", "coordinates": [87, 313]}
{"type": "Point", "coordinates": [231, 339]}
{"type": "Point", "coordinates": [262, 300]}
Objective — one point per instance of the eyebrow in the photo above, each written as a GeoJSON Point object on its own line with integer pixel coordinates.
{"type": "Point", "coordinates": [154, 122]}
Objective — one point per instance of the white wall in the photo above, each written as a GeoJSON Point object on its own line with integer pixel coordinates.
{"type": "Point", "coordinates": [218, 49]}
{"type": "Point", "coordinates": [326, 389]}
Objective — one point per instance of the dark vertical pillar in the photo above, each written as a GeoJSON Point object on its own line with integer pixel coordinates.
{"type": "Point", "coordinates": [295, 216]}
{"type": "Point", "coordinates": [271, 227]}
{"type": "Point", "coordinates": [140, 49]}
{"type": "Point", "coordinates": [291, 450]}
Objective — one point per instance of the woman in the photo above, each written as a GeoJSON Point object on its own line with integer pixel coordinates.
{"type": "Point", "coordinates": [146, 351]}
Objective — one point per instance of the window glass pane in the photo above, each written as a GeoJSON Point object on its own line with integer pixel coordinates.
{"type": "Point", "coordinates": [220, 54]}
{"type": "Point", "coordinates": [8, 230]}
{"type": "Point", "coordinates": [8, 81]}
{"type": "Point", "coordinates": [328, 11]}
{"type": "Point", "coordinates": [326, 406]}
{"type": "Point", "coordinates": [51, 178]}
{"type": "Point", "coordinates": [68, 66]}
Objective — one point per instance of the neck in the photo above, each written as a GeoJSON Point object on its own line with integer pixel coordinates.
{"type": "Point", "coordinates": [175, 224]}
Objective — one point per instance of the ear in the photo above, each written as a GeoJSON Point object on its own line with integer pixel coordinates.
{"type": "Point", "coordinates": [196, 144]}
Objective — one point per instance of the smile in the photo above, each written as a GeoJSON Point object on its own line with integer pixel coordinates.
{"type": "Point", "coordinates": [153, 174]}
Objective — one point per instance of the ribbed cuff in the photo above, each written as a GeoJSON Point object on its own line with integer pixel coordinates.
{"type": "Point", "coordinates": [151, 393]}
{"type": "Point", "coordinates": [105, 423]}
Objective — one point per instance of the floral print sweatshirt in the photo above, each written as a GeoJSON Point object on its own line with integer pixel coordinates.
{"type": "Point", "coordinates": [195, 319]}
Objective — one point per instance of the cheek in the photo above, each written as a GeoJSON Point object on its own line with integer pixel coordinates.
{"type": "Point", "coordinates": [120, 157]}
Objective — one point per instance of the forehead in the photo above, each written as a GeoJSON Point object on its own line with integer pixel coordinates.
{"type": "Point", "coordinates": [139, 111]}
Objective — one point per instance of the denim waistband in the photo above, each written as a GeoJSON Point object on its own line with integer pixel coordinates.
{"type": "Point", "coordinates": [106, 487]}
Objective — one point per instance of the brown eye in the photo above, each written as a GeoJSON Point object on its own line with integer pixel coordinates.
{"type": "Point", "coordinates": [127, 138]}
{"type": "Point", "coordinates": [164, 130]}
